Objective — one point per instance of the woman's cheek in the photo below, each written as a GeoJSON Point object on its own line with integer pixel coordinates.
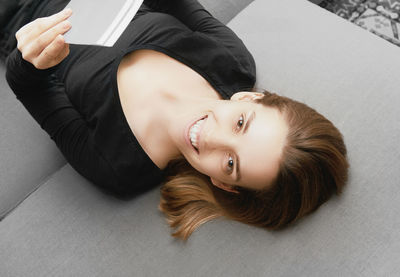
{"type": "Point", "coordinates": [210, 166]}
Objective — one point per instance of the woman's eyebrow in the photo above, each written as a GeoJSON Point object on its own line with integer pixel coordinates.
{"type": "Point", "coordinates": [246, 127]}
{"type": "Point", "coordinates": [248, 122]}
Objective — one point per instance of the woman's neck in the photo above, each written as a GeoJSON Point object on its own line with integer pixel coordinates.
{"type": "Point", "coordinates": [168, 116]}
{"type": "Point", "coordinates": [151, 110]}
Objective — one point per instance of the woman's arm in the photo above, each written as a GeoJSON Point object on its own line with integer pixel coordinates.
{"type": "Point", "coordinates": [197, 18]}
{"type": "Point", "coordinates": [30, 68]}
{"type": "Point", "coordinates": [44, 96]}
{"type": "Point", "coordinates": [190, 12]}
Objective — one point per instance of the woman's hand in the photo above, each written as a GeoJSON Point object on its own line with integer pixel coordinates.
{"type": "Point", "coordinates": [41, 41]}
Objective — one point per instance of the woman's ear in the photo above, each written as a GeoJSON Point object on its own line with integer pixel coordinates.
{"type": "Point", "coordinates": [223, 186]}
{"type": "Point", "coordinates": [246, 96]}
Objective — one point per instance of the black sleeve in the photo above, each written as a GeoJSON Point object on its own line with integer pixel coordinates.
{"type": "Point", "coordinates": [45, 99]}
{"type": "Point", "coordinates": [198, 19]}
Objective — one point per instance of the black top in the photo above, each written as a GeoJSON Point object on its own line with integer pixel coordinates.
{"type": "Point", "coordinates": [77, 102]}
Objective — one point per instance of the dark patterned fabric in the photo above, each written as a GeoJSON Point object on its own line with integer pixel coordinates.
{"type": "Point", "coordinates": [381, 17]}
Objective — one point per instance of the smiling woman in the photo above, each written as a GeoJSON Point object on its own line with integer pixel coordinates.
{"type": "Point", "coordinates": [300, 155]}
{"type": "Point", "coordinates": [238, 142]}
{"type": "Point", "coordinates": [173, 98]}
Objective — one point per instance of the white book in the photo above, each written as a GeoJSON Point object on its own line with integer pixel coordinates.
{"type": "Point", "coordinates": [100, 22]}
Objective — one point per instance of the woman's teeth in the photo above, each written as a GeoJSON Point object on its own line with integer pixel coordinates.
{"type": "Point", "coordinates": [194, 132]}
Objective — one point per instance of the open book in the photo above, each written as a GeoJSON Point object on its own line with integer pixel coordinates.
{"type": "Point", "coordinates": [100, 22]}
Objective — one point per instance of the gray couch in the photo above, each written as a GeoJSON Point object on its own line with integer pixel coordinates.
{"type": "Point", "coordinates": [55, 223]}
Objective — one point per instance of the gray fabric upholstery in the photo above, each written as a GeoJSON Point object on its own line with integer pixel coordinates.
{"type": "Point", "coordinates": [28, 156]}
{"type": "Point", "coordinates": [69, 228]}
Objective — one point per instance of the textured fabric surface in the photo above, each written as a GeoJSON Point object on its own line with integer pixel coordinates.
{"type": "Point", "coordinates": [68, 228]}
{"type": "Point", "coordinates": [27, 155]}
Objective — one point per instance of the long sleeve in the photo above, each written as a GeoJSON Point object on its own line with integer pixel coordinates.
{"type": "Point", "coordinates": [198, 19]}
{"type": "Point", "coordinates": [190, 12]}
{"type": "Point", "coordinates": [45, 99]}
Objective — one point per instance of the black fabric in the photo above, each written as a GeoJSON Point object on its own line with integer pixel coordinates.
{"type": "Point", "coordinates": [77, 102]}
{"type": "Point", "coordinates": [13, 15]}
{"type": "Point", "coordinates": [16, 13]}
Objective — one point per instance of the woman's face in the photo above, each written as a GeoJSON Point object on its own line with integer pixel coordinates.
{"type": "Point", "coordinates": [238, 142]}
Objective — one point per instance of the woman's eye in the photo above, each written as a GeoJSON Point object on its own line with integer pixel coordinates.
{"type": "Point", "coordinates": [240, 122]}
{"type": "Point", "coordinates": [230, 164]}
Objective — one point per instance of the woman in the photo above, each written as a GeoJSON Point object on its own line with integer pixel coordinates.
{"type": "Point", "coordinates": [155, 108]}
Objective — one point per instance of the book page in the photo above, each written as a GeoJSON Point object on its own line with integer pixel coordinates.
{"type": "Point", "coordinates": [100, 22]}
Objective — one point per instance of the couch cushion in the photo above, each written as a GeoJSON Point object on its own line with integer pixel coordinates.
{"type": "Point", "coordinates": [28, 156]}
{"type": "Point", "coordinates": [69, 228]}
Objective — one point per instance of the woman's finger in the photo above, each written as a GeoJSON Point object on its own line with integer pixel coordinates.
{"type": "Point", "coordinates": [33, 29]}
{"type": "Point", "coordinates": [53, 54]}
{"type": "Point", "coordinates": [32, 50]}
{"type": "Point", "coordinates": [48, 37]}
{"type": "Point", "coordinates": [63, 54]}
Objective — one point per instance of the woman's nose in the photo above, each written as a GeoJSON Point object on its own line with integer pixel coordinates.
{"type": "Point", "coordinates": [218, 138]}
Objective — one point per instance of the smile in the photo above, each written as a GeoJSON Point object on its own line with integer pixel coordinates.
{"type": "Point", "coordinates": [194, 133]}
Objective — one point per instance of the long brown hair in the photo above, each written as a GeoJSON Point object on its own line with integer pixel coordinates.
{"type": "Point", "coordinates": [313, 166]}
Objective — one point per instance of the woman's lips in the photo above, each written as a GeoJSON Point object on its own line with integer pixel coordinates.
{"type": "Point", "coordinates": [187, 133]}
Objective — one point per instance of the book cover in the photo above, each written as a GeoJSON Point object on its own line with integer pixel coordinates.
{"type": "Point", "coordinates": [100, 22]}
